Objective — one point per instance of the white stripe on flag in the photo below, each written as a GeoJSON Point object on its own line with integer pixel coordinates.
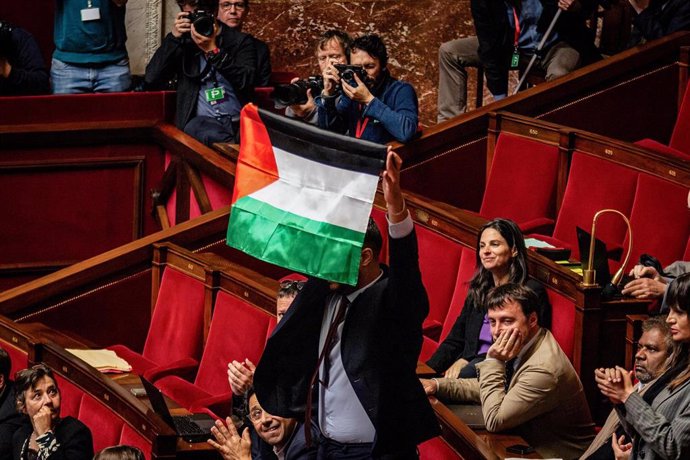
{"type": "Point", "coordinates": [320, 192]}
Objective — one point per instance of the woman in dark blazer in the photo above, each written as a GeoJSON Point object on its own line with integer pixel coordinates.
{"type": "Point", "coordinates": [658, 421]}
{"type": "Point", "coordinates": [46, 436]}
{"type": "Point", "coordinates": [501, 258]}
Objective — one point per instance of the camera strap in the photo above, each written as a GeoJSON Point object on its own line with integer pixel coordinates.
{"type": "Point", "coordinates": [361, 124]}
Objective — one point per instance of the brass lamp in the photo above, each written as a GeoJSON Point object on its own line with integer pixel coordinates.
{"type": "Point", "coordinates": [589, 274]}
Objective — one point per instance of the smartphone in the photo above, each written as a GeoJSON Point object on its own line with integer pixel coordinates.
{"type": "Point", "coordinates": [138, 392]}
{"type": "Point", "coordinates": [520, 449]}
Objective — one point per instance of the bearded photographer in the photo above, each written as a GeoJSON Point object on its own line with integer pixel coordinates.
{"type": "Point", "coordinates": [22, 70]}
{"type": "Point", "coordinates": [368, 103]}
{"type": "Point", "coordinates": [214, 66]}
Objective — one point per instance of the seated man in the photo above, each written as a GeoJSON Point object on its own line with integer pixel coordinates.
{"type": "Point", "coordinates": [380, 109]}
{"type": "Point", "coordinates": [333, 48]}
{"type": "Point", "coordinates": [276, 437]}
{"type": "Point", "coordinates": [658, 18]}
{"type": "Point", "coordinates": [505, 35]}
{"type": "Point", "coordinates": [241, 374]}
{"type": "Point", "coordinates": [651, 360]}
{"type": "Point", "coordinates": [215, 74]}
{"type": "Point", "coordinates": [526, 382]}
{"type": "Point", "coordinates": [90, 54]}
{"type": "Point", "coordinates": [22, 70]}
{"type": "Point", "coordinates": [232, 14]}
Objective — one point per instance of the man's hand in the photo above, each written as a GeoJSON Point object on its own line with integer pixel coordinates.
{"type": "Point", "coordinates": [648, 284]}
{"type": "Point", "coordinates": [303, 110]}
{"type": "Point", "coordinates": [639, 5]}
{"type": "Point", "coordinates": [43, 420]}
{"type": "Point", "coordinates": [228, 443]}
{"type": "Point", "coordinates": [359, 93]}
{"type": "Point", "coordinates": [453, 371]}
{"type": "Point", "coordinates": [391, 188]}
{"type": "Point", "coordinates": [621, 449]}
{"type": "Point", "coordinates": [331, 79]}
{"type": "Point", "coordinates": [5, 68]}
{"type": "Point", "coordinates": [205, 44]}
{"type": "Point", "coordinates": [614, 383]}
{"type": "Point", "coordinates": [182, 24]}
{"type": "Point", "coordinates": [430, 386]}
{"type": "Point", "coordinates": [506, 346]}
{"type": "Point", "coordinates": [240, 376]}
{"type": "Point", "coordinates": [570, 5]}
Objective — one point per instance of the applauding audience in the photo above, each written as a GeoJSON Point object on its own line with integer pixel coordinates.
{"type": "Point", "coordinates": [659, 420]}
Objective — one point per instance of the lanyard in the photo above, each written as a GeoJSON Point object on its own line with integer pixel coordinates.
{"type": "Point", "coordinates": [517, 28]}
{"type": "Point", "coordinates": [361, 125]}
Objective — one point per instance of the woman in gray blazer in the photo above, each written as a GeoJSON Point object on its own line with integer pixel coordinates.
{"type": "Point", "coordinates": [659, 421]}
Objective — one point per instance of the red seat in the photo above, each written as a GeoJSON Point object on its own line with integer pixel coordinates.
{"type": "Point", "coordinates": [522, 183]}
{"type": "Point", "coordinates": [562, 321]}
{"type": "Point", "coordinates": [105, 425]}
{"type": "Point", "coordinates": [238, 331]}
{"type": "Point", "coordinates": [439, 259]}
{"type": "Point", "coordinates": [130, 437]}
{"type": "Point", "coordinates": [70, 397]}
{"type": "Point", "coordinates": [660, 220]}
{"type": "Point", "coordinates": [680, 138]}
{"type": "Point", "coordinates": [437, 449]}
{"type": "Point", "coordinates": [19, 358]}
{"type": "Point", "coordinates": [594, 184]}
{"type": "Point", "coordinates": [177, 324]}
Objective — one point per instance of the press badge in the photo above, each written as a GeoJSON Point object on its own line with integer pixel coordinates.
{"type": "Point", "coordinates": [214, 95]}
{"type": "Point", "coordinates": [515, 59]}
{"type": "Point", "coordinates": [90, 14]}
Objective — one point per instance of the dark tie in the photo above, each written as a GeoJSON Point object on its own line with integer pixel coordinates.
{"type": "Point", "coordinates": [510, 370]}
{"type": "Point", "coordinates": [324, 357]}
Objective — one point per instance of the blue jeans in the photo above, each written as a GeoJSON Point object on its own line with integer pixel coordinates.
{"type": "Point", "coordinates": [69, 79]}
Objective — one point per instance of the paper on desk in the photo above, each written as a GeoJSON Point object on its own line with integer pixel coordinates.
{"type": "Point", "coordinates": [535, 243]}
{"type": "Point", "coordinates": [104, 360]}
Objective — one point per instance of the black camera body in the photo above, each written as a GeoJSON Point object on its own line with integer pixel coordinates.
{"type": "Point", "coordinates": [6, 38]}
{"type": "Point", "coordinates": [347, 73]}
{"type": "Point", "coordinates": [203, 21]}
{"type": "Point", "coordinates": [296, 93]}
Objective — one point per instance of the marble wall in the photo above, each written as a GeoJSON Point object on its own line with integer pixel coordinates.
{"type": "Point", "coordinates": [413, 31]}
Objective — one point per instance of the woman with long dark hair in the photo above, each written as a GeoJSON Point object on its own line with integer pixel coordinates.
{"type": "Point", "coordinates": [501, 259]}
{"type": "Point", "coordinates": [659, 420]}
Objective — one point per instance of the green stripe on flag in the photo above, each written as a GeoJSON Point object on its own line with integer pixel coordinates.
{"type": "Point", "coordinates": [271, 234]}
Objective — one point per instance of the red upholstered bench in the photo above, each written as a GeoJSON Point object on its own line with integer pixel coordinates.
{"type": "Point", "coordinates": [437, 449]}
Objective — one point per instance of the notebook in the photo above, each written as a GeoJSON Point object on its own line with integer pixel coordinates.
{"type": "Point", "coordinates": [192, 428]}
{"type": "Point", "coordinates": [470, 414]}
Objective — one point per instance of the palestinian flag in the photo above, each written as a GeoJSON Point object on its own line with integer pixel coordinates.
{"type": "Point", "coordinates": [302, 195]}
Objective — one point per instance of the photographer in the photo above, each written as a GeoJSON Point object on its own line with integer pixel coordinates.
{"type": "Point", "coordinates": [214, 66]}
{"type": "Point", "coordinates": [22, 70]}
{"type": "Point", "coordinates": [372, 105]}
{"type": "Point", "coordinates": [333, 48]}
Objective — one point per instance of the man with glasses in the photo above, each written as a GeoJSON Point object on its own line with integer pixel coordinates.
{"type": "Point", "coordinates": [232, 13]}
{"type": "Point", "coordinates": [271, 437]}
{"type": "Point", "coordinates": [214, 66]}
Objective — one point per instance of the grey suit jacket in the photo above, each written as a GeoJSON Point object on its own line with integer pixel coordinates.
{"type": "Point", "coordinates": [663, 429]}
{"type": "Point", "coordinates": [545, 402]}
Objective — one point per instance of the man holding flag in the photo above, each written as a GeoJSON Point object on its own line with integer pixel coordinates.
{"type": "Point", "coordinates": [347, 354]}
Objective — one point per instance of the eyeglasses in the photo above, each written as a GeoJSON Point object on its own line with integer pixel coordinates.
{"type": "Point", "coordinates": [239, 6]}
{"type": "Point", "coordinates": [256, 414]}
{"type": "Point", "coordinates": [292, 284]}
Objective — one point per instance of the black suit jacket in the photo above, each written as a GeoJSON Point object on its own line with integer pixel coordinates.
{"type": "Point", "coordinates": [72, 435]}
{"type": "Point", "coordinates": [381, 340]}
{"type": "Point", "coordinates": [662, 18]}
{"type": "Point", "coordinates": [179, 57]}
{"type": "Point", "coordinates": [263, 63]}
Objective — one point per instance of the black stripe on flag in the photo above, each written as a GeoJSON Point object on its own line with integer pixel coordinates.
{"type": "Point", "coordinates": [323, 146]}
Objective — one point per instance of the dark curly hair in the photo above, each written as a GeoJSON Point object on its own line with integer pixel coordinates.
{"type": "Point", "coordinates": [373, 45]}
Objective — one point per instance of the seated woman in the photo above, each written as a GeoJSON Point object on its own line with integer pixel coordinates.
{"type": "Point", "coordinates": [47, 436]}
{"type": "Point", "coordinates": [659, 420]}
{"type": "Point", "coordinates": [501, 259]}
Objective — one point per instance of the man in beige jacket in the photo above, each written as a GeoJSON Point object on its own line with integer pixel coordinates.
{"type": "Point", "coordinates": [543, 401]}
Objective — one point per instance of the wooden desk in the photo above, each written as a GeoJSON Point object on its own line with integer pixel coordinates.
{"type": "Point", "coordinates": [424, 371]}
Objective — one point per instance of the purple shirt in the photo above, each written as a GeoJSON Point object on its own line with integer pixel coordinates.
{"type": "Point", "coordinates": [485, 338]}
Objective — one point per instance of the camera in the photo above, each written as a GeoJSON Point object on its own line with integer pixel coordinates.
{"type": "Point", "coordinates": [5, 38]}
{"type": "Point", "coordinates": [347, 73]}
{"type": "Point", "coordinates": [296, 93]}
{"type": "Point", "coordinates": [203, 21]}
